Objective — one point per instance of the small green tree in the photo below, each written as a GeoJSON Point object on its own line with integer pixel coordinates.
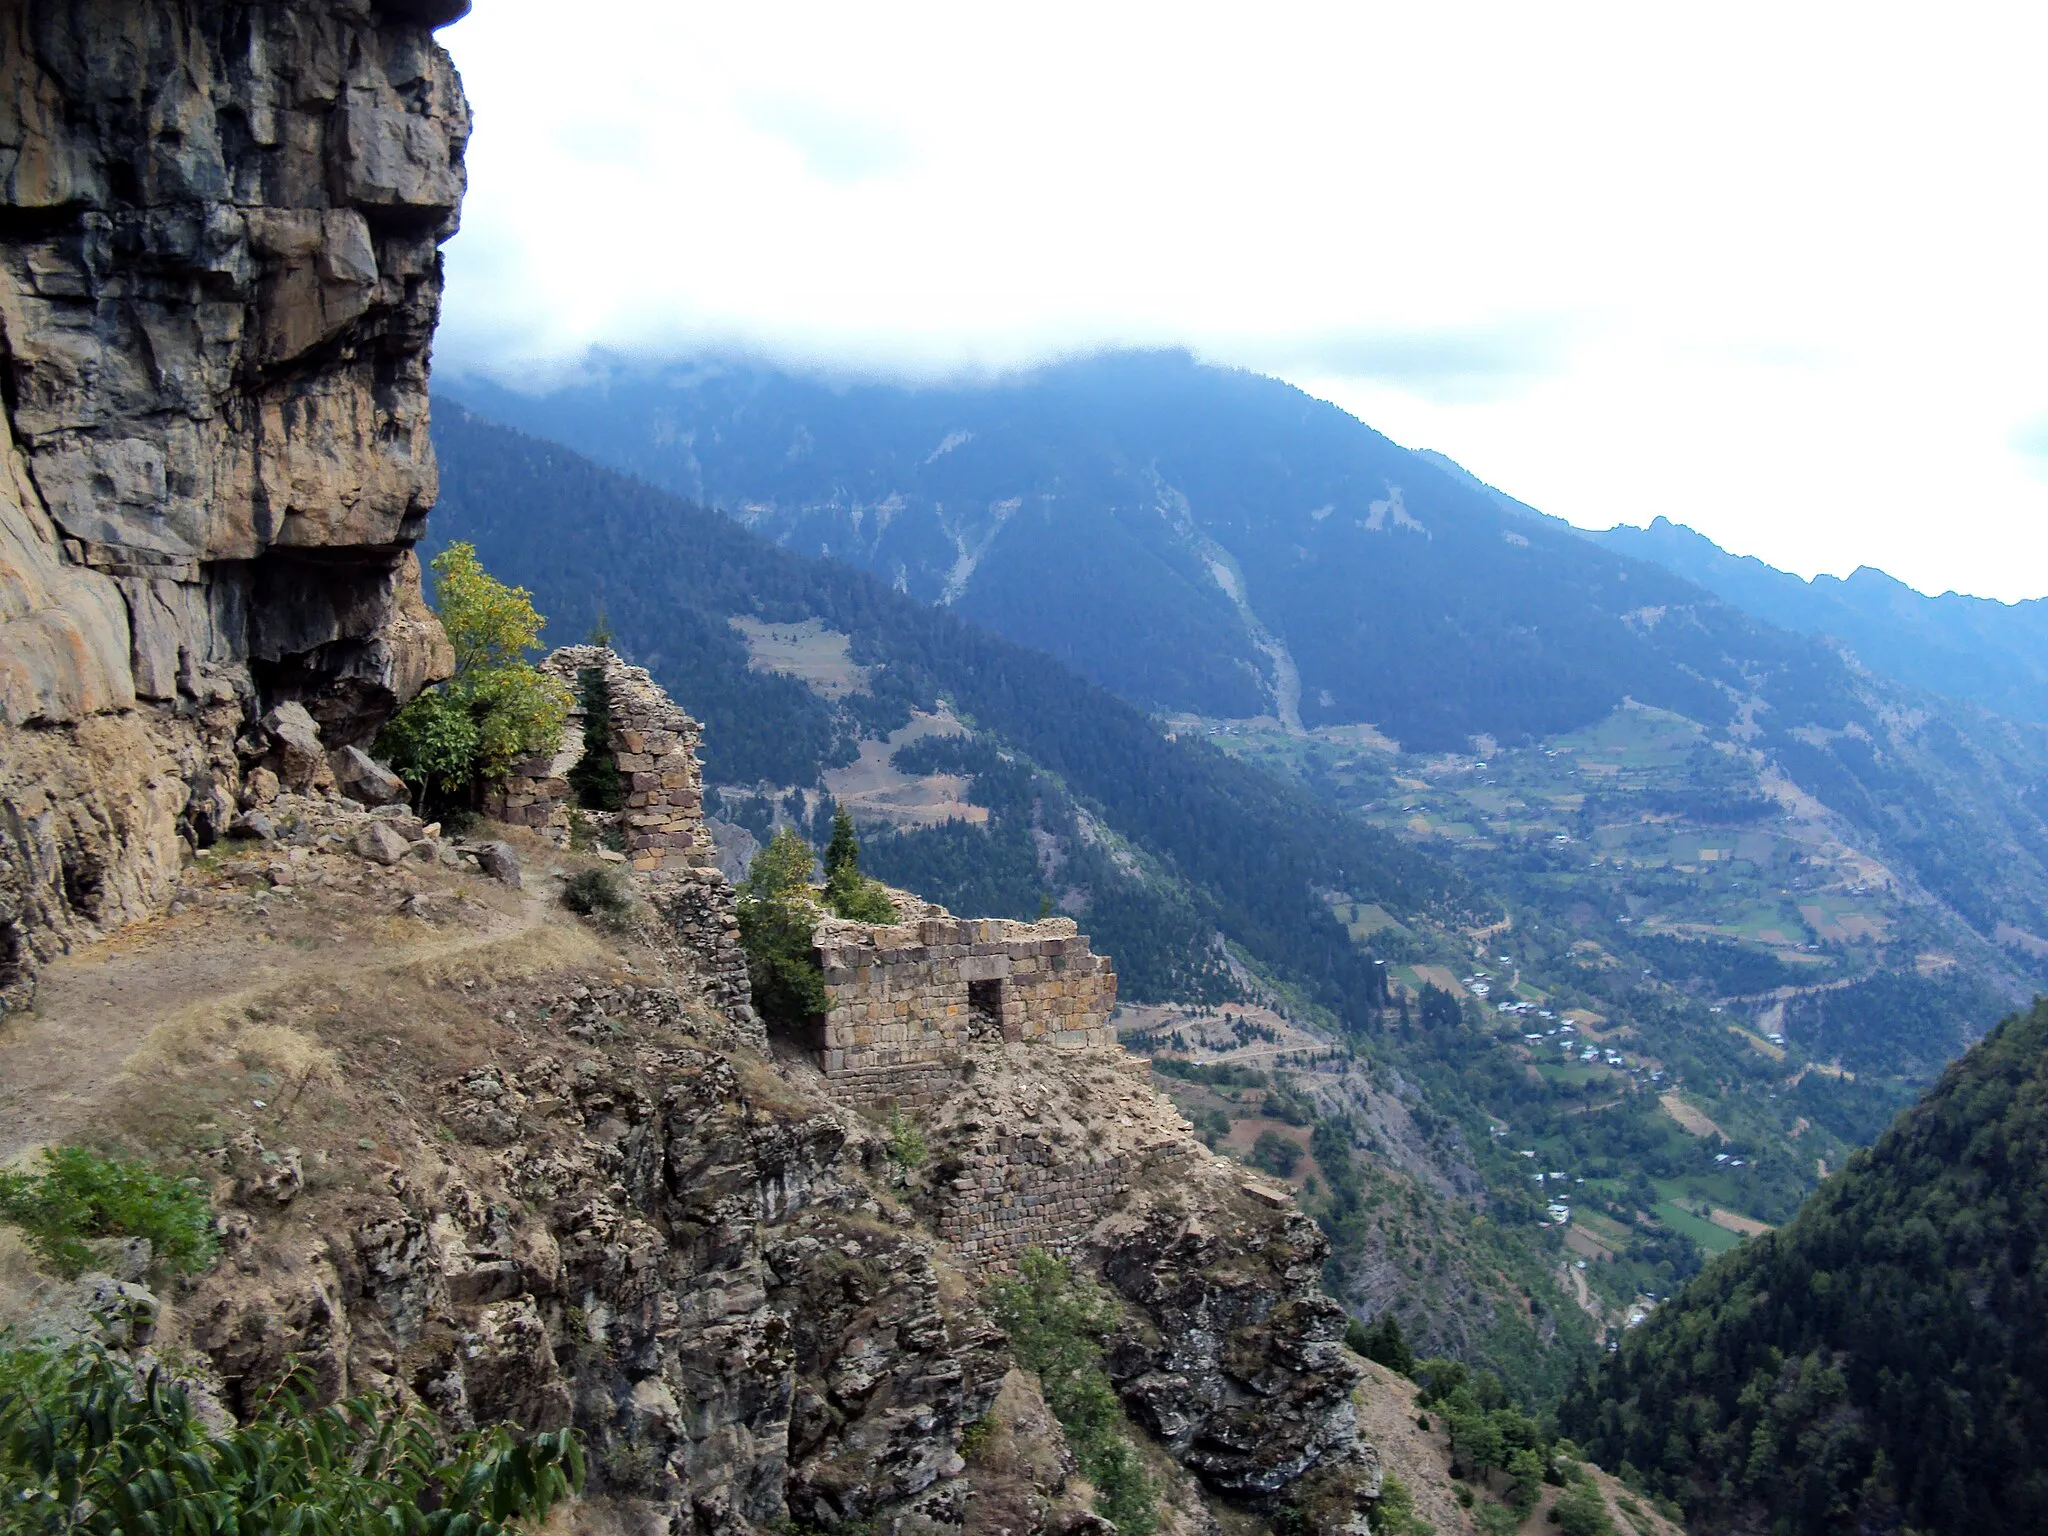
{"type": "Point", "coordinates": [842, 854]}
{"type": "Point", "coordinates": [777, 917]}
{"type": "Point", "coordinates": [453, 740]}
{"type": "Point", "coordinates": [848, 892]}
{"type": "Point", "coordinates": [1582, 1512]}
{"type": "Point", "coordinates": [1385, 1343]}
{"type": "Point", "coordinates": [1393, 1513]}
{"type": "Point", "coordinates": [1525, 1474]}
{"type": "Point", "coordinates": [1476, 1440]}
{"type": "Point", "coordinates": [1276, 1154]}
{"type": "Point", "coordinates": [595, 778]}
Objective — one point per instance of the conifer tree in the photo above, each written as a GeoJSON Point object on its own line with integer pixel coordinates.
{"type": "Point", "coordinates": [842, 854]}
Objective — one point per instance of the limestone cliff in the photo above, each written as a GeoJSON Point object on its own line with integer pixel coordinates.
{"type": "Point", "coordinates": [219, 278]}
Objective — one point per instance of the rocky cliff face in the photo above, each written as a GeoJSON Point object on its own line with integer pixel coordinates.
{"type": "Point", "coordinates": [470, 1152]}
{"type": "Point", "coordinates": [219, 277]}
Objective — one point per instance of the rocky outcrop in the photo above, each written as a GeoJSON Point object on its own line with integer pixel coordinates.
{"type": "Point", "coordinates": [1240, 1368]}
{"type": "Point", "coordinates": [219, 278]}
{"type": "Point", "coordinates": [630, 1235]}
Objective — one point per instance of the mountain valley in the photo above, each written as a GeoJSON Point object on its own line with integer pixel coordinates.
{"type": "Point", "coordinates": [701, 950]}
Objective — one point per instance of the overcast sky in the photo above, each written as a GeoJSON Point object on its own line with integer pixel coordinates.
{"type": "Point", "coordinates": [1778, 271]}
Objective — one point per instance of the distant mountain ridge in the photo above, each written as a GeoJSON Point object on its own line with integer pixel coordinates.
{"type": "Point", "coordinates": [1972, 648]}
{"type": "Point", "coordinates": [1990, 653]}
{"type": "Point", "coordinates": [1195, 538]}
{"type": "Point", "coordinates": [1208, 541]}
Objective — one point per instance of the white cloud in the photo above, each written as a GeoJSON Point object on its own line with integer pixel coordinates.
{"type": "Point", "coordinates": [1770, 270]}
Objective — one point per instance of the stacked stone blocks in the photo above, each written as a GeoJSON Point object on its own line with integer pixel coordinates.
{"type": "Point", "coordinates": [920, 991]}
{"type": "Point", "coordinates": [1021, 1193]}
{"type": "Point", "coordinates": [653, 742]}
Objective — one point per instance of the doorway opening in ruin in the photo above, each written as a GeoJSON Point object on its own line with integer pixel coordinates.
{"type": "Point", "coordinates": [985, 1007]}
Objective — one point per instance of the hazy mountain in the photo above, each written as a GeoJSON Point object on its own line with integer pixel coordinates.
{"type": "Point", "coordinates": [1991, 653]}
{"type": "Point", "coordinates": [1972, 648]}
{"type": "Point", "coordinates": [1205, 540]}
{"type": "Point", "coordinates": [1195, 538]}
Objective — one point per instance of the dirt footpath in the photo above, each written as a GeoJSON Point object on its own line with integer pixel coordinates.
{"type": "Point", "coordinates": [256, 920]}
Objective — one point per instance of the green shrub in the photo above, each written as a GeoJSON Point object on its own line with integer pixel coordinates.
{"type": "Point", "coordinates": [1393, 1513]}
{"type": "Point", "coordinates": [848, 892]}
{"type": "Point", "coordinates": [78, 1196]}
{"type": "Point", "coordinates": [1382, 1342]}
{"type": "Point", "coordinates": [1056, 1322]}
{"type": "Point", "coordinates": [89, 1445]}
{"type": "Point", "coordinates": [601, 893]}
{"type": "Point", "coordinates": [454, 739]}
{"type": "Point", "coordinates": [777, 918]}
{"type": "Point", "coordinates": [1276, 1154]}
{"type": "Point", "coordinates": [976, 1438]}
{"type": "Point", "coordinates": [906, 1142]}
{"type": "Point", "coordinates": [1582, 1512]}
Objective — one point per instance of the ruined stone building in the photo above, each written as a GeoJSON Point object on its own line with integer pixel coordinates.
{"type": "Point", "coordinates": [915, 992]}
{"type": "Point", "coordinates": [654, 743]}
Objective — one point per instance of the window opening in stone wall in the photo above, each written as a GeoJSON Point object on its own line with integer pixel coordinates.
{"type": "Point", "coordinates": [985, 1006]}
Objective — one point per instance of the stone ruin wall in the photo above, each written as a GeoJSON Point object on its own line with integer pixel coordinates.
{"type": "Point", "coordinates": [905, 993]}
{"type": "Point", "coordinates": [653, 741]}
{"type": "Point", "coordinates": [1026, 1193]}
{"type": "Point", "coordinates": [908, 1002]}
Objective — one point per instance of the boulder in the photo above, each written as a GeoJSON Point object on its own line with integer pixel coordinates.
{"type": "Point", "coordinates": [262, 1176]}
{"type": "Point", "coordinates": [361, 777]}
{"type": "Point", "coordinates": [296, 751]}
{"type": "Point", "coordinates": [94, 1309]}
{"type": "Point", "coordinates": [499, 862]}
{"type": "Point", "coordinates": [254, 824]}
{"type": "Point", "coordinates": [209, 811]}
{"type": "Point", "coordinates": [259, 787]}
{"type": "Point", "coordinates": [381, 843]}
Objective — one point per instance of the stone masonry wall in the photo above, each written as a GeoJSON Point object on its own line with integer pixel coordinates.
{"type": "Point", "coordinates": [653, 740]}
{"type": "Point", "coordinates": [1026, 1193]}
{"type": "Point", "coordinates": [910, 992]}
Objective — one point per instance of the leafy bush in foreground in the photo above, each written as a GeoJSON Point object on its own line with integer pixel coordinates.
{"type": "Point", "coordinates": [87, 1445]}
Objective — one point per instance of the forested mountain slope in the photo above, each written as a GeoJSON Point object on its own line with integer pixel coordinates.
{"type": "Point", "coordinates": [1195, 844]}
{"type": "Point", "coordinates": [1196, 538]}
{"type": "Point", "coordinates": [1215, 543]}
{"type": "Point", "coordinates": [1881, 1363]}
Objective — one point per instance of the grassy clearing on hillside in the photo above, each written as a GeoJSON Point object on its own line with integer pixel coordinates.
{"type": "Point", "coordinates": [1715, 1239]}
